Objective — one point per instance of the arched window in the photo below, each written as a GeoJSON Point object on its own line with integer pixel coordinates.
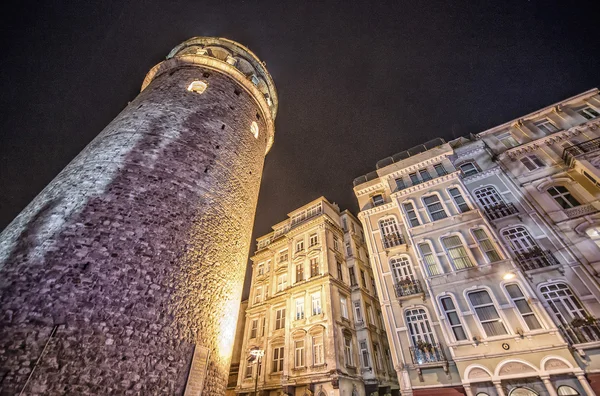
{"type": "Point", "coordinates": [486, 312]}
{"type": "Point", "coordinates": [390, 235]}
{"type": "Point", "coordinates": [565, 390]}
{"type": "Point", "coordinates": [457, 252]}
{"type": "Point", "coordinates": [453, 319]}
{"type": "Point", "coordinates": [492, 203]}
{"type": "Point", "coordinates": [419, 327]}
{"type": "Point", "coordinates": [429, 258]}
{"type": "Point", "coordinates": [434, 207]}
{"type": "Point", "coordinates": [468, 169]}
{"type": "Point", "coordinates": [565, 305]}
{"type": "Point", "coordinates": [485, 245]}
{"type": "Point", "coordinates": [520, 302]}
{"type": "Point", "coordinates": [563, 197]}
{"type": "Point", "coordinates": [528, 252]}
{"type": "Point", "coordinates": [522, 391]}
{"type": "Point", "coordinates": [401, 269]}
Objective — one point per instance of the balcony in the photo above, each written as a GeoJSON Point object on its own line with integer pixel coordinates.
{"type": "Point", "coordinates": [428, 355]}
{"type": "Point", "coordinates": [393, 239]}
{"type": "Point", "coordinates": [580, 210]}
{"type": "Point", "coordinates": [535, 259]}
{"type": "Point", "coordinates": [570, 153]}
{"type": "Point", "coordinates": [501, 210]}
{"type": "Point", "coordinates": [581, 331]}
{"type": "Point", "coordinates": [408, 287]}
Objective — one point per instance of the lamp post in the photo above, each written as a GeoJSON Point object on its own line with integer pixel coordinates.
{"type": "Point", "coordinates": [257, 354]}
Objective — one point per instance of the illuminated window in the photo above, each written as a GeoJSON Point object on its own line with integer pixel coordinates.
{"type": "Point", "coordinates": [457, 252]}
{"type": "Point", "coordinates": [316, 303]}
{"type": "Point", "coordinates": [486, 246]}
{"type": "Point", "coordinates": [254, 129]}
{"type": "Point", "coordinates": [197, 86]}
{"type": "Point", "coordinates": [300, 308]}
{"type": "Point", "coordinates": [565, 390]}
{"type": "Point", "coordinates": [314, 267]}
{"type": "Point", "coordinates": [429, 259]}
{"type": "Point", "coordinates": [344, 307]}
{"type": "Point", "coordinates": [486, 313]}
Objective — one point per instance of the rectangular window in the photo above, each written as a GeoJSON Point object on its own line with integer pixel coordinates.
{"type": "Point", "coordinates": [314, 267]}
{"type": "Point", "coordinates": [313, 240]}
{"type": "Point", "coordinates": [364, 353]}
{"type": "Point", "coordinates": [563, 197]}
{"type": "Point", "coordinates": [248, 372]}
{"type": "Point", "coordinates": [523, 307]}
{"type": "Point", "coordinates": [299, 353]}
{"type": "Point", "coordinates": [262, 330]}
{"type": "Point", "coordinates": [486, 313]}
{"type": "Point", "coordinates": [348, 249]}
{"type": "Point", "coordinates": [300, 308]}
{"type": "Point", "coordinates": [283, 256]}
{"type": "Point", "coordinates": [260, 269]}
{"type": "Point", "coordinates": [588, 113]}
{"type": "Point", "coordinates": [373, 284]}
{"type": "Point", "coordinates": [377, 200]}
{"type": "Point", "coordinates": [336, 243]}
{"type": "Point", "coordinates": [299, 246]}
{"type": "Point", "coordinates": [532, 162]}
{"type": "Point", "coordinates": [546, 126]}
{"type": "Point", "coordinates": [348, 351]}
{"type": "Point", "coordinates": [318, 351]}
{"type": "Point", "coordinates": [453, 319]}
{"type": "Point", "coordinates": [299, 272]}
{"type": "Point", "coordinates": [344, 224]}
{"type": "Point", "coordinates": [440, 170]}
{"type": "Point", "coordinates": [429, 259]}
{"type": "Point", "coordinates": [414, 179]}
{"type": "Point", "coordinates": [486, 246]}
{"type": "Point", "coordinates": [344, 307]}
{"type": "Point", "coordinates": [424, 175]}
{"type": "Point", "coordinates": [377, 356]}
{"type": "Point", "coordinates": [369, 315]}
{"type": "Point", "coordinates": [468, 169]}
{"type": "Point", "coordinates": [280, 319]}
{"type": "Point", "coordinates": [411, 214]}
{"type": "Point", "coordinates": [253, 328]}
{"type": "Point", "coordinates": [400, 184]}
{"type": "Point", "coordinates": [258, 295]}
{"type": "Point", "coordinates": [277, 359]}
{"type": "Point", "coordinates": [457, 252]}
{"type": "Point", "coordinates": [352, 276]}
{"type": "Point", "coordinates": [459, 200]}
{"type": "Point", "coordinates": [363, 279]}
{"type": "Point", "coordinates": [316, 303]}
{"type": "Point", "coordinates": [340, 273]}
{"type": "Point", "coordinates": [281, 282]}
{"type": "Point", "coordinates": [357, 311]}
{"type": "Point", "coordinates": [507, 139]}
{"type": "Point", "coordinates": [434, 207]}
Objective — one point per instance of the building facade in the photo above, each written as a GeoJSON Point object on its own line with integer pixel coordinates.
{"type": "Point", "coordinates": [485, 256]}
{"type": "Point", "coordinates": [313, 311]}
{"type": "Point", "coordinates": [124, 275]}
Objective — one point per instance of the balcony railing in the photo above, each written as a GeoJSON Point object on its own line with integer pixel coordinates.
{"type": "Point", "coordinates": [428, 354]}
{"type": "Point", "coordinates": [408, 287]}
{"type": "Point", "coordinates": [535, 259]}
{"type": "Point", "coordinates": [500, 210]}
{"type": "Point", "coordinates": [393, 239]}
{"type": "Point", "coordinates": [582, 148]}
{"type": "Point", "coordinates": [588, 331]}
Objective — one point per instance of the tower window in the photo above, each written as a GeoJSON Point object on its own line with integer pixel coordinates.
{"type": "Point", "coordinates": [197, 86]}
{"type": "Point", "coordinates": [254, 129]}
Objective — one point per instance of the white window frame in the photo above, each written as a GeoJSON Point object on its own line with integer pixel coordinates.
{"type": "Point", "coordinates": [318, 350]}
{"type": "Point", "coordinates": [523, 297]}
{"type": "Point", "coordinates": [357, 311]}
{"type": "Point", "coordinates": [494, 246]}
{"type": "Point", "coordinates": [468, 255]}
{"type": "Point", "coordinates": [507, 137]}
{"type": "Point", "coordinates": [473, 170]}
{"type": "Point", "coordinates": [313, 240]}
{"type": "Point", "coordinates": [458, 314]}
{"type": "Point", "coordinates": [300, 245]}
{"type": "Point", "coordinates": [413, 208]}
{"type": "Point", "coordinates": [456, 198]}
{"type": "Point", "coordinates": [281, 282]}
{"type": "Point", "coordinates": [316, 307]}
{"type": "Point", "coordinates": [547, 126]}
{"type": "Point", "coordinates": [365, 359]}
{"type": "Point", "coordinates": [532, 162]}
{"type": "Point", "coordinates": [253, 328]}
{"type": "Point", "coordinates": [278, 356]}
{"type": "Point", "coordinates": [433, 254]}
{"type": "Point", "coordinates": [419, 326]}
{"type": "Point", "coordinates": [401, 268]}
{"type": "Point", "coordinates": [378, 199]}
{"type": "Point", "coordinates": [496, 306]}
{"type": "Point", "coordinates": [573, 311]}
{"type": "Point", "coordinates": [586, 109]}
{"type": "Point", "coordinates": [344, 307]}
{"type": "Point", "coordinates": [388, 226]}
{"type": "Point", "coordinates": [299, 358]}
{"type": "Point", "coordinates": [283, 256]}
{"type": "Point", "coordinates": [440, 201]}
{"type": "Point", "coordinates": [348, 351]}
{"type": "Point", "coordinates": [299, 304]}
{"type": "Point", "coordinates": [279, 321]}
{"type": "Point", "coordinates": [563, 196]}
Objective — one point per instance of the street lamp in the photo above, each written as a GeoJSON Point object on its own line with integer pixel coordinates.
{"type": "Point", "coordinates": [256, 354]}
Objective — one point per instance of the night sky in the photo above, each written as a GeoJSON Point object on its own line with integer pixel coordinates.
{"type": "Point", "coordinates": [357, 82]}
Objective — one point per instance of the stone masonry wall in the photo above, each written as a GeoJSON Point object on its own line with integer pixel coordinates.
{"type": "Point", "coordinates": [137, 250]}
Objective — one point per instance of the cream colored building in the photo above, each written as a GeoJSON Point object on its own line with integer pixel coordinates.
{"type": "Point", "coordinates": [461, 312]}
{"type": "Point", "coordinates": [313, 310]}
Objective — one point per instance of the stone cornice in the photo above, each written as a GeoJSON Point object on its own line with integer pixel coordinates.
{"type": "Point", "coordinates": [375, 187]}
{"type": "Point", "coordinates": [515, 152]}
{"type": "Point", "coordinates": [377, 209]}
{"type": "Point", "coordinates": [413, 168]}
{"type": "Point", "coordinates": [482, 175]}
{"type": "Point", "coordinates": [477, 148]}
{"type": "Point", "coordinates": [428, 184]}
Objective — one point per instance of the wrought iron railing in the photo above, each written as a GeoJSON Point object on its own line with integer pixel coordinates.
{"type": "Point", "coordinates": [500, 210]}
{"type": "Point", "coordinates": [393, 239]}
{"type": "Point", "coordinates": [586, 147]}
{"type": "Point", "coordinates": [427, 354]}
{"type": "Point", "coordinates": [408, 287]}
{"type": "Point", "coordinates": [581, 334]}
{"type": "Point", "coordinates": [535, 259]}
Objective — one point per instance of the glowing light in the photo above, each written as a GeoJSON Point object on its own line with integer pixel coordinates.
{"type": "Point", "coordinates": [508, 276]}
{"type": "Point", "coordinates": [227, 328]}
{"type": "Point", "coordinates": [254, 129]}
{"type": "Point", "coordinates": [197, 86]}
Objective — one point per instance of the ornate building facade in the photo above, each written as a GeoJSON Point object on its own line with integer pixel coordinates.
{"type": "Point", "coordinates": [313, 311]}
{"type": "Point", "coordinates": [124, 275]}
{"type": "Point", "coordinates": [485, 254]}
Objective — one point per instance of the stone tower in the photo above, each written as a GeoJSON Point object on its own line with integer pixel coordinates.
{"type": "Point", "coordinates": [124, 275]}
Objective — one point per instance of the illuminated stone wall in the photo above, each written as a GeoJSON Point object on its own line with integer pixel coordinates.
{"type": "Point", "coordinates": [137, 251]}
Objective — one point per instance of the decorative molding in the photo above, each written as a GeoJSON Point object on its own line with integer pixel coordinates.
{"type": "Point", "coordinates": [482, 175]}
{"type": "Point", "coordinates": [428, 184]}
